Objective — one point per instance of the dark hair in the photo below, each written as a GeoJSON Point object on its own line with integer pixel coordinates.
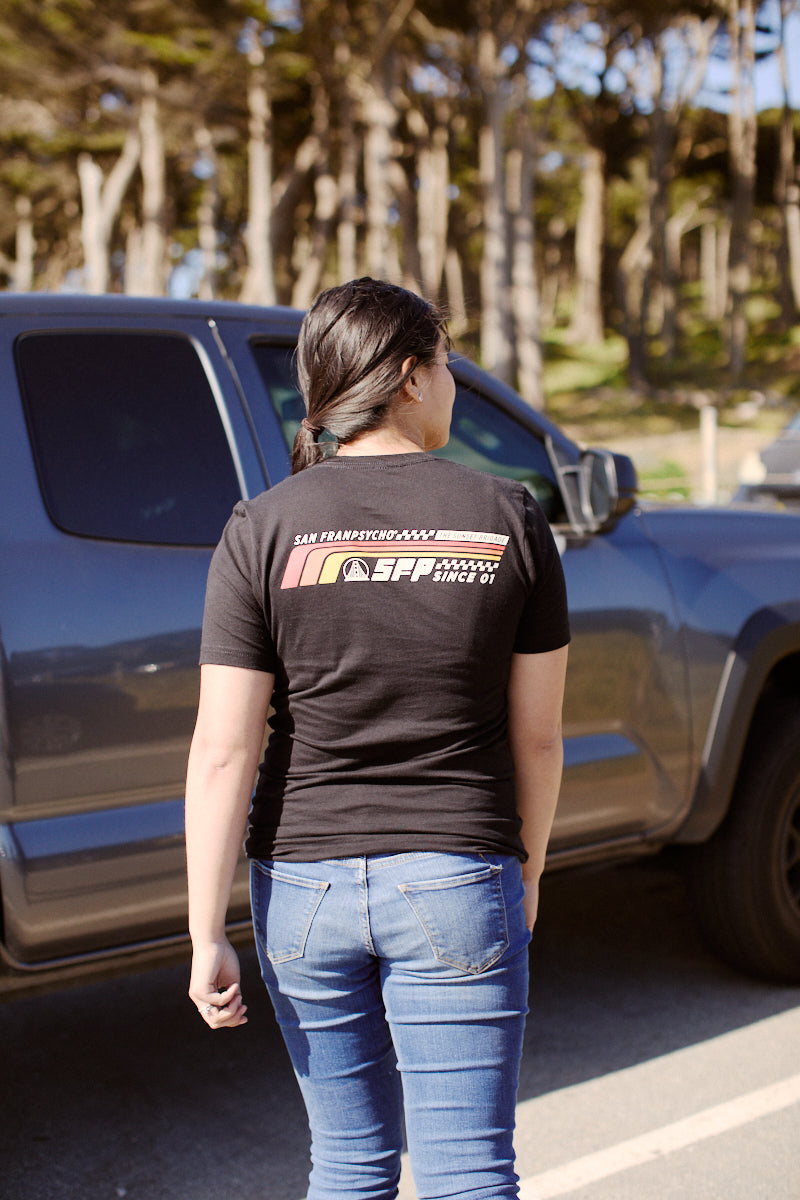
{"type": "Point", "coordinates": [353, 342]}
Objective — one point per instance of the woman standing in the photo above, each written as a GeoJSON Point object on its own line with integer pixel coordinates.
{"type": "Point", "coordinates": [406, 618]}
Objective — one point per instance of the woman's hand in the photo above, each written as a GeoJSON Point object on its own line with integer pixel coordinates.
{"type": "Point", "coordinates": [215, 985]}
{"type": "Point", "coordinates": [530, 901]}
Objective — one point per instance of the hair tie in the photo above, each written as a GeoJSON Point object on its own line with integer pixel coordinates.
{"type": "Point", "coordinates": [313, 429]}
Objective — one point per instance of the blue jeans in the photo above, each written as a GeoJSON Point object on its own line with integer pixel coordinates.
{"type": "Point", "coordinates": [415, 961]}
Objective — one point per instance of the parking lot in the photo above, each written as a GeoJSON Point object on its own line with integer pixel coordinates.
{"type": "Point", "coordinates": [651, 1071]}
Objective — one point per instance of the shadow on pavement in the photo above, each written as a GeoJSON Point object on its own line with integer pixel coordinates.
{"type": "Point", "coordinates": [117, 1089]}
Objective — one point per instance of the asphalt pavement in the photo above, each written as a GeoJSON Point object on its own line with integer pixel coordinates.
{"type": "Point", "coordinates": [651, 1072]}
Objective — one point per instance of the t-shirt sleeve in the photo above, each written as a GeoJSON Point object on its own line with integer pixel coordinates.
{"type": "Point", "coordinates": [236, 625]}
{"type": "Point", "coordinates": [544, 624]}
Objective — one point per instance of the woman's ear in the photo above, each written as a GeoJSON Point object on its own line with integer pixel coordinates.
{"type": "Point", "coordinates": [410, 390]}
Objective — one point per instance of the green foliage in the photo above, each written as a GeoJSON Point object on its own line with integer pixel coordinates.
{"type": "Point", "coordinates": [82, 62]}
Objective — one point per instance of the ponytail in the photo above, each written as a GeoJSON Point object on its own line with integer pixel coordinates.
{"type": "Point", "coordinates": [353, 342]}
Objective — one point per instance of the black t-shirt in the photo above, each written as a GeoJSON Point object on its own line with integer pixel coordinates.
{"type": "Point", "coordinates": [387, 595]}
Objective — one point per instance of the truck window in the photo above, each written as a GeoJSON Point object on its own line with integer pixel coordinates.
{"type": "Point", "coordinates": [128, 440]}
{"type": "Point", "coordinates": [482, 435]}
{"type": "Point", "coordinates": [487, 438]}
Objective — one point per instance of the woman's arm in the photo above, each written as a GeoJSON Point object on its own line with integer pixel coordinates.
{"type": "Point", "coordinates": [223, 759]}
{"type": "Point", "coordinates": [535, 696]}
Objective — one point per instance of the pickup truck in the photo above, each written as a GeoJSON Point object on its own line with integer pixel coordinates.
{"type": "Point", "coordinates": [128, 430]}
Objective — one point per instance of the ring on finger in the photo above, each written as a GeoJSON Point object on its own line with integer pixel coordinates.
{"type": "Point", "coordinates": [208, 1010]}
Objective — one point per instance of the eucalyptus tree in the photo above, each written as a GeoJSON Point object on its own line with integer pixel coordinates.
{"type": "Point", "coordinates": [787, 185]}
{"type": "Point", "coordinates": [742, 132]}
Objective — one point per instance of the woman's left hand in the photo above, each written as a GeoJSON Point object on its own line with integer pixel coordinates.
{"type": "Point", "coordinates": [215, 985]}
{"type": "Point", "coordinates": [531, 901]}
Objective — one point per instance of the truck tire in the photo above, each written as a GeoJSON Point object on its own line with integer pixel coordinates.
{"type": "Point", "coordinates": [745, 880]}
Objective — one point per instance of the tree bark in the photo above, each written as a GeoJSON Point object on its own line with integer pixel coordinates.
{"type": "Point", "coordinates": [326, 202]}
{"type": "Point", "coordinates": [101, 201]}
{"type": "Point", "coordinates": [433, 204]}
{"type": "Point", "coordinates": [787, 197]}
{"type": "Point", "coordinates": [742, 141]}
{"type": "Point", "coordinates": [524, 284]}
{"type": "Point", "coordinates": [22, 278]}
{"type": "Point", "coordinates": [659, 290]}
{"type": "Point", "coordinates": [153, 246]}
{"type": "Point", "coordinates": [687, 216]}
{"type": "Point", "coordinates": [347, 180]}
{"type": "Point", "coordinates": [552, 269]}
{"type": "Point", "coordinates": [95, 247]}
{"type": "Point", "coordinates": [346, 230]}
{"type": "Point", "coordinates": [379, 117]}
{"type": "Point", "coordinates": [587, 317]}
{"type": "Point", "coordinates": [456, 301]}
{"type": "Point", "coordinates": [713, 279]}
{"type": "Point", "coordinates": [133, 260]}
{"type": "Point", "coordinates": [634, 266]}
{"type": "Point", "coordinates": [206, 215]}
{"type": "Point", "coordinates": [259, 280]}
{"type": "Point", "coordinates": [496, 346]}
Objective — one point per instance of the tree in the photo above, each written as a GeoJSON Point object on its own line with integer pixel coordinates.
{"type": "Point", "coordinates": [742, 127]}
{"type": "Point", "coordinates": [787, 191]}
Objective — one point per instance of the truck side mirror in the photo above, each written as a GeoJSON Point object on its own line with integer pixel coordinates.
{"type": "Point", "coordinates": [598, 489]}
{"type": "Point", "coordinates": [607, 485]}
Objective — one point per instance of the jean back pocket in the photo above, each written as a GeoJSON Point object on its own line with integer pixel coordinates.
{"type": "Point", "coordinates": [284, 906]}
{"type": "Point", "coordinates": [463, 917]}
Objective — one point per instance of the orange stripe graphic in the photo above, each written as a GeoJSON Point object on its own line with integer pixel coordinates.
{"type": "Point", "coordinates": [307, 563]}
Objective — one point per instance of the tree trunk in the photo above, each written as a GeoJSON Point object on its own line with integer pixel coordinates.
{"type": "Point", "coordinates": [458, 322]}
{"type": "Point", "coordinates": [792, 217]}
{"type": "Point", "coordinates": [587, 317]}
{"type": "Point", "coordinates": [687, 217]}
{"type": "Point", "coordinates": [153, 247]}
{"type": "Point", "coordinates": [101, 201]}
{"type": "Point", "coordinates": [22, 278]}
{"type": "Point", "coordinates": [552, 269]}
{"type": "Point", "coordinates": [634, 266]}
{"type": "Point", "coordinates": [787, 196]}
{"type": "Point", "coordinates": [259, 280]}
{"type": "Point", "coordinates": [206, 215]}
{"type": "Point", "coordinates": [496, 348]}
{"type": "Point", "coordinates": [664, 283]}
{"type": "Point", "coordinates": [524, 284]}
{"type": "Point", "coordinates": [742, 142]}
{"type": "Point", "coordinates": [326, 203]}
{"type": "Point", "coordinates": [379, 116]}
{"type": "Point", "coordinates": [133, 260]}
{"type": "Point", "coordinates": [662, 300]}
{"type": "Point", "coordinates": [407, 267]}
{"type": "Point", "coordinates": [723, 259]}
{"type": "Point", "coordinates": [346, 232]}
{"type": "Point", "coordinates": [433, 204]}
{"type": "Point", "coordinates": [709, 277]}
{"type": "Point", "coordinates": [287, 193]}
{"type": "Point", "coordinates": [95, 247]}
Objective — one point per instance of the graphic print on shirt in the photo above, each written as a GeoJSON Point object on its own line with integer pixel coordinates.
{"type": "Point", "coordinates": [391, 555]}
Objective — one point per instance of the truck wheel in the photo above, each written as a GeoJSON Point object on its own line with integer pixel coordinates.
{"type": "Point", "coordinates": [745, 880]}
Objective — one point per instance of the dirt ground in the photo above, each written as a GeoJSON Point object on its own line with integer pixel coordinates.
{"type": "Point", "coordinates": [735, 449]}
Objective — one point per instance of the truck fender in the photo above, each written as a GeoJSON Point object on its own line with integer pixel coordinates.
{"type": "Point", "coordinates": [769, 636]}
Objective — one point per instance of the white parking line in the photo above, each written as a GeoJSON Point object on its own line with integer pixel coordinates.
{"type": "Point", "coordinates": [560, 1181]}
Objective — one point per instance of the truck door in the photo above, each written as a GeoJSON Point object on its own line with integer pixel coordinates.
{"type": "Point", "coordinates": [115, 485]}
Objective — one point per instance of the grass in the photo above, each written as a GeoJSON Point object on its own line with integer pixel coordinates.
{"type": "Point", "coordinates": [587, 390]}
{"type": "Point", "coordinates": [667, 480]}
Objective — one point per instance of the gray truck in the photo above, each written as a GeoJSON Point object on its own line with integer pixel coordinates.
{"type": "Point", "coordinates": [128, 430]}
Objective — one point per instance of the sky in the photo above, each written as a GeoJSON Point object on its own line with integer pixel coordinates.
{"type": "Point", "coordinates": [769, 88]}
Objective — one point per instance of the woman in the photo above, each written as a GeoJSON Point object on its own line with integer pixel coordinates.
{"type": "Point", "coordinates": [406, 618]}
